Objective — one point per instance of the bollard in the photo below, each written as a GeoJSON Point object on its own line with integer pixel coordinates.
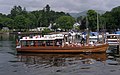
{"type": "Point", "coordinates": [119, 43]}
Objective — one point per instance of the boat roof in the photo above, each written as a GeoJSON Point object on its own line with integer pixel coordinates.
{"type": "Point", "coordinates": [45, 37]}
{"type": "Point", "coordinates": [91, 33]}
{"type": "Point", "coordinates": [112, 34]}
{"type": "Point", "coordinates": [117, 32]}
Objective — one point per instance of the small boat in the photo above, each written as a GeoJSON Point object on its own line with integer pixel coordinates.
{"type": "Point", "coordinates": [55, 43]}
{"type": "Point", "coordinates": [94, 36]}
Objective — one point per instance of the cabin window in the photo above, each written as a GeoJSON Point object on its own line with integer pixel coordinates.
{"type": "Point", "coordinates": [50, 43]}
{"type": "Point", "coordinates": [40, 43]}
{"type": "Point", "coordinates": [58, 42]}
{"type": "Point", "coordinates": [43, 43]}
{"type": "Point", "coordinates": [37, 43]}
{"type": "Point", "coordinates": [25, 43]}
{"type": "Point", "coordinates": [32, 43]}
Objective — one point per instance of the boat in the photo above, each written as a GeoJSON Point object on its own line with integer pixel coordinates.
{"type": "Point", "coordinates": [93, 36]}
{"type": "Point", "coordinates": [56, 43]}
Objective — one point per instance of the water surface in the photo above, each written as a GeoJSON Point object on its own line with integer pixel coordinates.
{"type": "Point", "coordinates": [12, 63]}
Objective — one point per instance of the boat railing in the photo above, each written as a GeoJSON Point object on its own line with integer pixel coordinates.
{"type": "Point", "coordinates": [113, 39]}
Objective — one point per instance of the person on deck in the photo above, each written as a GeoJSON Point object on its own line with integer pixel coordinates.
{"type": "Point", "coordinates": [83, 40]}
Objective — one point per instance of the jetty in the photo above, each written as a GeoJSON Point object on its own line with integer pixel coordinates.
{"type": "Point", "coordinates": [113, 40]}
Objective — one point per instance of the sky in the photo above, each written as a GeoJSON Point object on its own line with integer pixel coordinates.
{"type": "Point", "coordinates": [72, 6]}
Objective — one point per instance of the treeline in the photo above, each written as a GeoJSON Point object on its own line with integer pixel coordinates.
{"type": "Point", "coordinates": [19, 19]}
{"type": "Point", "coordinates": [109, 21]}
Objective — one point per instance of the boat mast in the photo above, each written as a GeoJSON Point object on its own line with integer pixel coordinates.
{"type": "Point", "coordinates": [87, 38]}
{"type": "Point", "coordinates": [97, 23]}
{"type": "Point", "coordinates": [97, 27]}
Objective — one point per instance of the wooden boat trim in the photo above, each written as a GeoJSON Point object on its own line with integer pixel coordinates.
{"type": "Point", "coordinates": [101, 48]}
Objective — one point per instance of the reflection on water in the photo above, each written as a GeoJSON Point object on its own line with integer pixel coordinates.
{"type": "Point", "coordinates": [61, 59]}
{"type": "Point", "coordinates": [54, 64]}
{"type": "Point", "coordinates": [6, 37]}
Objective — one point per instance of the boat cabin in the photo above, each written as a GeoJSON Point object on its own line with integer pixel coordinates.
{"type": "Point", "coordinates": [46, 40]}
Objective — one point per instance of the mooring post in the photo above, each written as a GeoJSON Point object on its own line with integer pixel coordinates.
{"type": "Point", "coordinates": [119, 44]}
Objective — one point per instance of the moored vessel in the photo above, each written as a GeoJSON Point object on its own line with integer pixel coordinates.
{"type": "Point", "coordinates": [56, 43]}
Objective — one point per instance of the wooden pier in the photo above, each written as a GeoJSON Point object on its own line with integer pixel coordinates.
{"type": "Point", "coordinates": [113, 40]}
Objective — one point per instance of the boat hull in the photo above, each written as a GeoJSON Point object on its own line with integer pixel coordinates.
{"type": "Point", "coordinates": [65, 49]}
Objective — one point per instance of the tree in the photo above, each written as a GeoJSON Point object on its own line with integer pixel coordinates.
{"type": "Point", "coordinates": [54, 27]}
{"type": "Point", "coordinates": [83, 24]}
{"type": "Point", "coordinates": [112, 19]}
{"type": "Point", "coordinates": [20, 22]}
{"type": "Point", "coordinates": [92, 19]}
{"type": "Point", "coordinates": [32, 20]}
{"type": "Point", "coordinates": [45, 31]}
{"type": "Point", "coordinates": [19, 18]}
{"type": "Point", "coordinates": [16, 10]}
{"type": "Point", "coordinates": [1, 25]}
{"type": "Point", "coordinates": [7, 22]}
{"type": "Point", "coordinates": [79, 19]}
{"type": "Point", "coordinates": [115, 12]}
{"type": "Point", "coordinates": [65, 22]}
{"type": "Point", "coordinates": [46, 16]}
{"type": "Point", "coordinates": [37, 17]}
{"type": "Point", "coordinates": [47, 8]}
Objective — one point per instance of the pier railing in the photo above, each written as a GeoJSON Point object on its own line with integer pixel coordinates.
{"type": "Point", "coordinates": [113, 39]}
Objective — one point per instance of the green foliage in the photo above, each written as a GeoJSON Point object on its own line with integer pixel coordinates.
{"type": "Point", "coordinates": [7, 22]}
{"type": "Point", "coordinates": [89, 21]}
{"type": "Point", "coordinates": [77, 28]}
{"type": "Point", "coordinates": [16, 10]}
{"type": "Point", "coordinates": [46, 31]}
{"type": "Point", "coordinates": [47, 8]}
{"type": "Point", "coordinates": [112, 19]}
{"type": "Point", "coordinates": [32, 20]}
{"type": "Point", "coordinates": [20, 22]}
{"type": "Point", "coordinates": [19, 18]}
{"type": "Point", "coordinates": [46, 16]}
{"type": "Point", "coordinates": [83, 23]}
{"type": "Point", "coordinates": [79, 19]}
{"type": "Point", "coordinates": [92, 19]}
{"type": "Point", "coordinates": [54, 27]}
{"type": "Point", "coordinates": [65, 22]}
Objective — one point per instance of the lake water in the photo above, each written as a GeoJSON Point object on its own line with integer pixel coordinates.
{"type": "Point", "coordinates": [12, 63]}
